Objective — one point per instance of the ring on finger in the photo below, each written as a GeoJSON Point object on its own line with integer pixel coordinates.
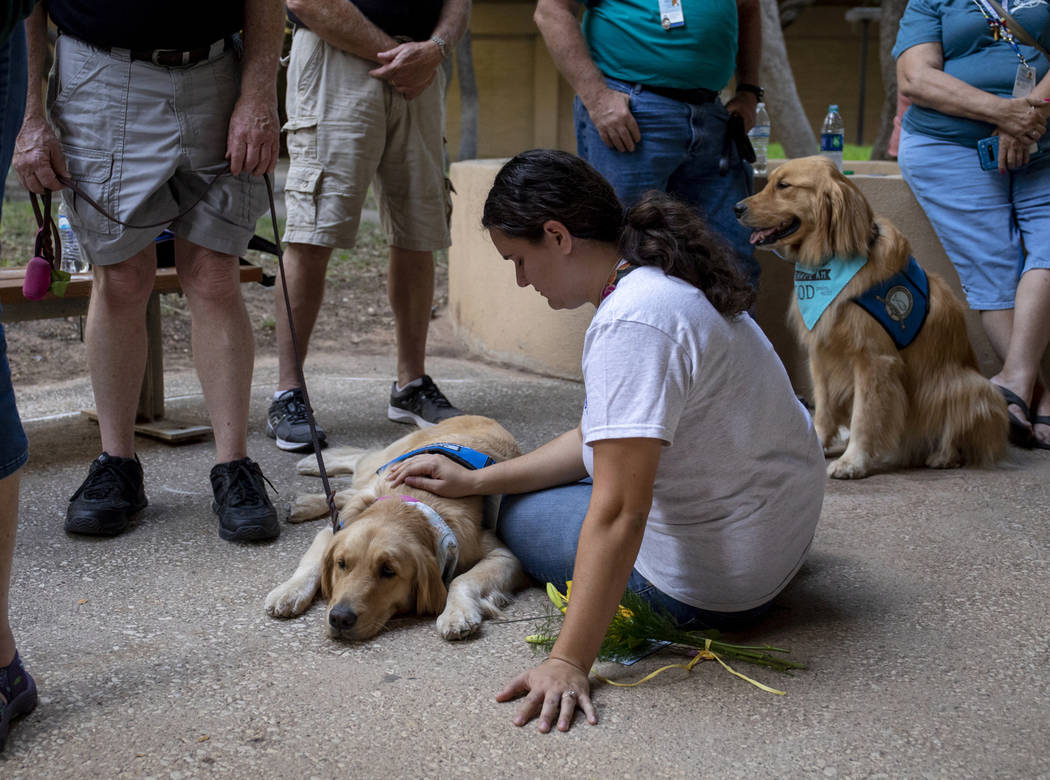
{"type": "Point", "coordinates": [569, 694]}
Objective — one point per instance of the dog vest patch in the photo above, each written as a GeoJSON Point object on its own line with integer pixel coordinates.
{"type": "Point", "coordinates": [464, 456]}
{"type": "Point", "coordinates": [900, 303]}
{"type": "Point", "coordinates": [816, 287]}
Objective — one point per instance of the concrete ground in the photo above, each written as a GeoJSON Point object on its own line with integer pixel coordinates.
{"type": "Point", "coordinates": [921, 614]}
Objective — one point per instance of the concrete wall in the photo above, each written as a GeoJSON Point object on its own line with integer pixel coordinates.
{"type": "Point", "coordinates": [504, 323]}
{"type": "Point", "coordinates": [524, 102]}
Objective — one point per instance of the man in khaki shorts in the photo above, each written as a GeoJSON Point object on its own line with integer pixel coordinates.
{"type": "Point", "coordinates": [365, 105]}
{"type": "Point", "coordinates": [168, 124]}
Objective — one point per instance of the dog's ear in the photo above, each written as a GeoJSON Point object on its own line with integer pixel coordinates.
{"type": "Point", "coordinates": [848, 216]}
{"type": "Point", "coordinates": [327, 567]}
{"type": "Point", "coordinates": [355, 505]}
{"type": "Point", "coordinates": [430, 590]}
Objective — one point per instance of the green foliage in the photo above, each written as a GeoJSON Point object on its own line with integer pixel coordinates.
{"type": "Point", "coordinates": [17, 234]}
{"type": "Point", "coordinates": [637, 625]}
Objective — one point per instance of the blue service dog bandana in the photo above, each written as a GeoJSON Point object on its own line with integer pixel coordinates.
{"type": "Point", "coordinates": [816, 288]}
{"type": "Point", "coordinates": [900, 303]}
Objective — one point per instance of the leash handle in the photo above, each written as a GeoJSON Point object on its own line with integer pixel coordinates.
{"type": "Point", "coordinates": [48, 245]}
{"type": "Point", "coordinates": [329, 496]}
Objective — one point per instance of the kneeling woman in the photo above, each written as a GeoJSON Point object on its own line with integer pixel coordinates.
{"type": "Point", "coordinates": [707, 474]}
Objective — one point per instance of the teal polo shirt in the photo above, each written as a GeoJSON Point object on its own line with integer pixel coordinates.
{"type": "Point", "coordinates": [627, 42]}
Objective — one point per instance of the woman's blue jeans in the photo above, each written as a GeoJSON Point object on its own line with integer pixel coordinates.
{"type": "Point", "coordinates": [542, 530]}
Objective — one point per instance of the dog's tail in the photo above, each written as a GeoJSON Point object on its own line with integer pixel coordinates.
{"type": "Point", "coordinates": [966, 420]}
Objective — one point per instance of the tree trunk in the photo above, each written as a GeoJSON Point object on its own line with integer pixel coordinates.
{"type": "Point", "coordinates": [892, 10]}
{"type": "Point", "coordinates": [790, 126]}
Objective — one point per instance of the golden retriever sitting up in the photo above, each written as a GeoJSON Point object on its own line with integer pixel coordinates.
{"type": "Point", "coordinates": [923, 404]}
{"type": "Point", "coordinates": [387, 556]}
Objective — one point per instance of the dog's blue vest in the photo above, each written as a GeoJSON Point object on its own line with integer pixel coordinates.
{"type": "Point", "coordinates": [900, 303]}
{"type": "Point", "coordinates": [464, 456]}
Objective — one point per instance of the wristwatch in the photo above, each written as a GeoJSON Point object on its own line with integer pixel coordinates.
{"type": "Point", "coordinates": [442, 46]}
{"type": "Point", "coordinates": [754, 89]}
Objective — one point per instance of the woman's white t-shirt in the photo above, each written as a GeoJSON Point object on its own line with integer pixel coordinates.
{"type": "Point", "coordinates": [740, 482]}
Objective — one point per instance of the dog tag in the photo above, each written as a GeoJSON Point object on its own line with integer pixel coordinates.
{"type": "Point", "coordinates": [671, 14]}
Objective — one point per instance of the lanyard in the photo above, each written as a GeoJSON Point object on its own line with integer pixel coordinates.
{"type": "Point", "coordinates": [999, 28]}
{"type": "Point", "coordinates": [621, 270]}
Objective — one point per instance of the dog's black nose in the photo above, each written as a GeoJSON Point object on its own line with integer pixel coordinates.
{"type": "Point", "coordinates": [341, 617]}
{"type": "Point", "coordinates": [739, 209]}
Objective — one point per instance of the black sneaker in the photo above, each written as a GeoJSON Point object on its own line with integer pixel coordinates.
{"type": "Point", "coordinates": [421, 404]}
{"type": "Point", "coordinates": [111, 495]}
{"type": "Point", "coordinates": [17, 696]}
{"type": "Point", "coordinates": [286, 422]}
{"type": "Point", "coordinates": [244, 510]}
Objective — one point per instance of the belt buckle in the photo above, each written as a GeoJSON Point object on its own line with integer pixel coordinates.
{"type": "Point", "coordinates": [167, 58]}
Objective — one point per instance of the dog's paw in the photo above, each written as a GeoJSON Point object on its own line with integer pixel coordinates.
{"type": "Point", "coordinates": [303, 508]}
{"type": "Point", "coordinates": [835, 444]}
{"type": "Point", "coordinates": [459, 621]}
{"type": "Point", "coordinates": [337, 460]}
{"type": "Point", "coordinates": [849, 467]}
{"type": "Point", "coordinates": [945, 460]}
{"type": "Point", "coordinates": [492, 604]}
{"type": "Point", "coordinates": [290, 598]}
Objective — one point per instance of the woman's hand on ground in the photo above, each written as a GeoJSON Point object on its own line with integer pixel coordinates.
{"type": "Point", "coordinates": [1024, 117]}
{"type": "Point", "coordinates": [553, 690]}
{"type": "Point", "coordinates": [434, 473]}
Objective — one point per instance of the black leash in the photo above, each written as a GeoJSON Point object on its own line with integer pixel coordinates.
{"type": "Point", "coordinates": [276, 249]}
{"type": "Point", "coordinates": [329, 496]}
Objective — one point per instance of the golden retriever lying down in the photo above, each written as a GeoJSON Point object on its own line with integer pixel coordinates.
{"type": "Point", "coordinates": [923, 404]}
{"type": "Point", "coordinates": [386, 558]}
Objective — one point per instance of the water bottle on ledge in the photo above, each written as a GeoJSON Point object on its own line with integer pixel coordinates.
{"type": "Point", "coordinates": [759, 135]}
{"type": "Point", "coordinates": [72, 261]}
{"type": "Point", "coordinates": [833, 136]}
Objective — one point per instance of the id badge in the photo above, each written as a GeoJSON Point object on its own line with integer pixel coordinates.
{"type": "Point", "coordinates": [1024, 81]}
{"type": "Point", "coordinates": [671, 15]}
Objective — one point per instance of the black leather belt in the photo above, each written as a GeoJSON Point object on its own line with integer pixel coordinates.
{"type": "Point", "coordinates": [697, 96]}
{"type": "Point", "coordinates": [173, 58]}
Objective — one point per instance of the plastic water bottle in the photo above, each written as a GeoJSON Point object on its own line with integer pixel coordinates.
{"type": "Point", "coordinates": [72, 261]}
{"type": "Point", "coordinates": [759, 135]}
{"type": "Point", "coordinates": [833, 136]}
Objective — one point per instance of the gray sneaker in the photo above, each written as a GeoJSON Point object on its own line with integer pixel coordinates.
{"type": "Point", "coordinates": [422, 404]}
{"type": "Point", "coordinates": [286, 422]}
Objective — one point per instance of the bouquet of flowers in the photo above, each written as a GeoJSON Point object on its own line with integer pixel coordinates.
{"type": "Point", "coordinates": [637, 628]}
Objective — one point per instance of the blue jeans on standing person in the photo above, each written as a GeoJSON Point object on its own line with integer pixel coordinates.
{"type": "Point", "coordinates": [14, 448]}
{"type": "Point", "coordinates": [542, 530]}
{"type": "Point", "coordinates": [678, 154]}
{"type": "Point", "coordinates": [12, 100]}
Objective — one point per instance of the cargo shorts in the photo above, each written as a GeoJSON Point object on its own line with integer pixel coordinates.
{"type": "Point", "coordinates": [346, 130]}
{"type": "Point", "coordinates": [146, 142]}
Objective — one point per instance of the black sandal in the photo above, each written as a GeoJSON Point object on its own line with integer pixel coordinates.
{"type": "Point", "coordinates": [1039, 420]}
{"type": "Point", "coordinates": [1020, 434]}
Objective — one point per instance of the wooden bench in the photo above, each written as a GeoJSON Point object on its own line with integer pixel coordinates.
{"type": "Point", "coordinates": [150, 415]}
